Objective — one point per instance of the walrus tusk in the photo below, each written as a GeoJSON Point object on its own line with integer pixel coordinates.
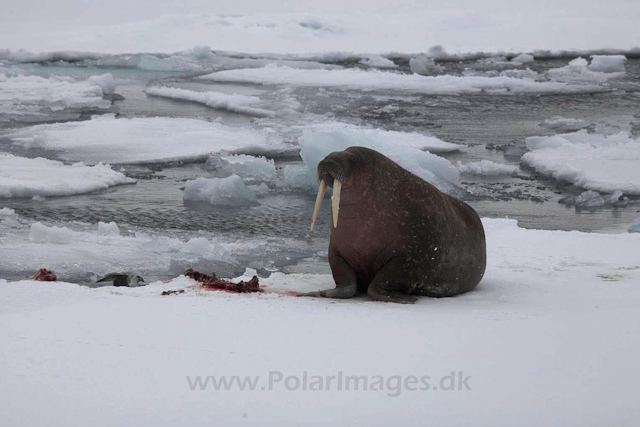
{"type": "Point", "coordinates": [321, 190]}
{"type": "Point", "coordinates": [335, 201]}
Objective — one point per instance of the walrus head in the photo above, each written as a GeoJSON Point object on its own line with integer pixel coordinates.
{"type": "Point", "coordinates": [333, 171]}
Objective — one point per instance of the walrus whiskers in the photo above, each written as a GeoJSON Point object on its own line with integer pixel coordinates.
{"type": "Point", "coordinates": [321, 190]}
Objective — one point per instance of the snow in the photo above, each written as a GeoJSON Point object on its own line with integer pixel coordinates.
{"type": "Point", "coordinates": [318, 141]}
{"type": "Point", "coordinates": [23, 177]}
{"type": "Point", "coordinates": [486, 167]}
{"type": "Point", "coordinates": [230, 191]}
{"type": "Point", "coordinates": [375, 80]}
{"type": "Point", "coordinates": [553, 316]}
{"type": "Point", "coordinates": [603, 163]}
{"type": "Point", "coordinates": [579, 70]}
{"type": "Point", "coordinates": [243, 104]}
{"type": "Point", "coordinates": [523, 58]}
{"type": "Point", "coordinates": [634, 227]}
{"type": "Point", "coordinates": [565, 124]}
{"type": "Point", "coordinates": [143, 140]}
{"type": "Point", "coordinates": [501, 25]}
{"type": "Point", "coordinates": [607, 63]}
{"type": "Point", "coordinates": [424, 65]}
{"type": "Point", "coordinates": [24, 96]}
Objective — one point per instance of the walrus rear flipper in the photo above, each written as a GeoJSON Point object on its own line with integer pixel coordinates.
{"type": "Point", "coordinates": [388, 287]}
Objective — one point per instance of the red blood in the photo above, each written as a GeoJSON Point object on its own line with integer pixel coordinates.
{"type": "Point", "coordinates": [212, 283]}
{"type": "Point", "coordinates": [44, 275]}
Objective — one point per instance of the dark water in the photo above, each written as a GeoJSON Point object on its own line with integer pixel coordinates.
{"type": "Point", "coordinates": [487, 123]}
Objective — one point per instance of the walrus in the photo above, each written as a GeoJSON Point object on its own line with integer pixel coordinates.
{"type": "Point", "coordinates": [393, 234]}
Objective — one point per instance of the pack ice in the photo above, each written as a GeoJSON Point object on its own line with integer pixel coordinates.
{"type": "Point", "coordinates": [603, 163]}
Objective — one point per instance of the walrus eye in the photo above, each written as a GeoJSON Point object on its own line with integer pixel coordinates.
{"type": "Point", "coordinates": [321, 190]}
{"type": "Point", "coordinates": [335, 201]}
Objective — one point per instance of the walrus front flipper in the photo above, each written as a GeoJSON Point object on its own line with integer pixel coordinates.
{"type": "Point", "coordinates": [343, 275]}
{"type": "Point", "coordinates": [344, 292]}
{"type": "Point", "coordinates": [388, 287]}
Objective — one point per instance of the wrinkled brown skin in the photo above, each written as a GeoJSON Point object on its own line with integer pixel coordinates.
{"type": "Point", "coordinates": [397, 235]}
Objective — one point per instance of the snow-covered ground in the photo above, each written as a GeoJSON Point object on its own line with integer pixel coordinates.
{"type": "Point", "coordinates": [549, 334]}
{"type": "Point", "coordinates": [499, 25]}
{"type": "Point", "coordinates": [547, 338]}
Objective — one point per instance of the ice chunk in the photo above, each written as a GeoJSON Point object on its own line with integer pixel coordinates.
{"type": "Point", "coordinates": [108, 229]}
{"type": "Point", "coordinates": [32, 97]}
{"type": "Point", "coordinates": [318, 141]}
{"type": "Point", "coordinates": [607, 63]}
{"type": "Point", "coordinates": [144, 140]}
{"type": "Point", "coordinates": [523, 58]}
{"type": "Point", "coordinates": [197, 245]}
{"type": "Point", "coordinates": [487, 167]}
{"type": "Point", "coordinates": [23, 177]}
{"type": "Point", "coordinates": [5, 212]}
{"type": "Point", "coordinates": [634, 227]}
{"type": "Point", "coordinates": [378, 61]}
{"type": "Point", "coordinates": [40, 233]}
{"type": "Point", "coordinates": [237, 103]}
{"type": "Point", "coordinates": [424, 65]}
{"type": "Point", "coordinates": [250, 168]}
{"type": "Point", "coordinates": [260, 190]}
{"type": "Point", "coordinates": [578, 70]}
{"type": "Point", "coordinates": [420, 141]}
{"type": "Point", "coordinates": [79, 253]}
{"type": "Point", "coordinates": [592, 199]}
{"type": "Point", "coordinates": [603, 163]}
{"type": "Point", "coordinates": [106, 83]}
{"type": "Point", "coordinates": [229, 191]}
{"type": "Point", "coordinates": [564, 124]}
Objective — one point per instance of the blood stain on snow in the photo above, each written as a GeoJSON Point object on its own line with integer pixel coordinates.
{"type": "Point", "coordinates": [212, 283]}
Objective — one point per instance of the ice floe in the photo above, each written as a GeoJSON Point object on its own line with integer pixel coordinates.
{"type": "Point", "coordinates": [608, 63]}
{"type": "Point", "coordinates": [250, 168]}
{"type": "Point", "coordinates": [33, 97]}
{"type": "Point", "coordinates": [378, 61]}
{"type": "Point", "coordinates": [603, 163]}
{"type": "Point", "coordinates": [424, 65]}
{"type": "Point", "coordinates": [486, 167]}
{"type": "Point", "coordinates": [593, 199]}
{"type": "Point", "coordinates": [144, 140]}
{"type": "Point", "coordinates": [243, 104]}
{"type": "Point", "coordinates": [83, 251]}
{"type": "Point", "coordinates": [374, 80]}
{"type": "Point", "coordinates": [559, 123]}
{"type": "Point", "coordinates": [404, 148]}
{"type": "Point", "coordinates": [230, 191]}
{"type": "Point", "coordinates": [523, 58]}
{"type": "Point", "coordinates": [23, 177]}
{"type": "Point", "coordinates": [579, 70]}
